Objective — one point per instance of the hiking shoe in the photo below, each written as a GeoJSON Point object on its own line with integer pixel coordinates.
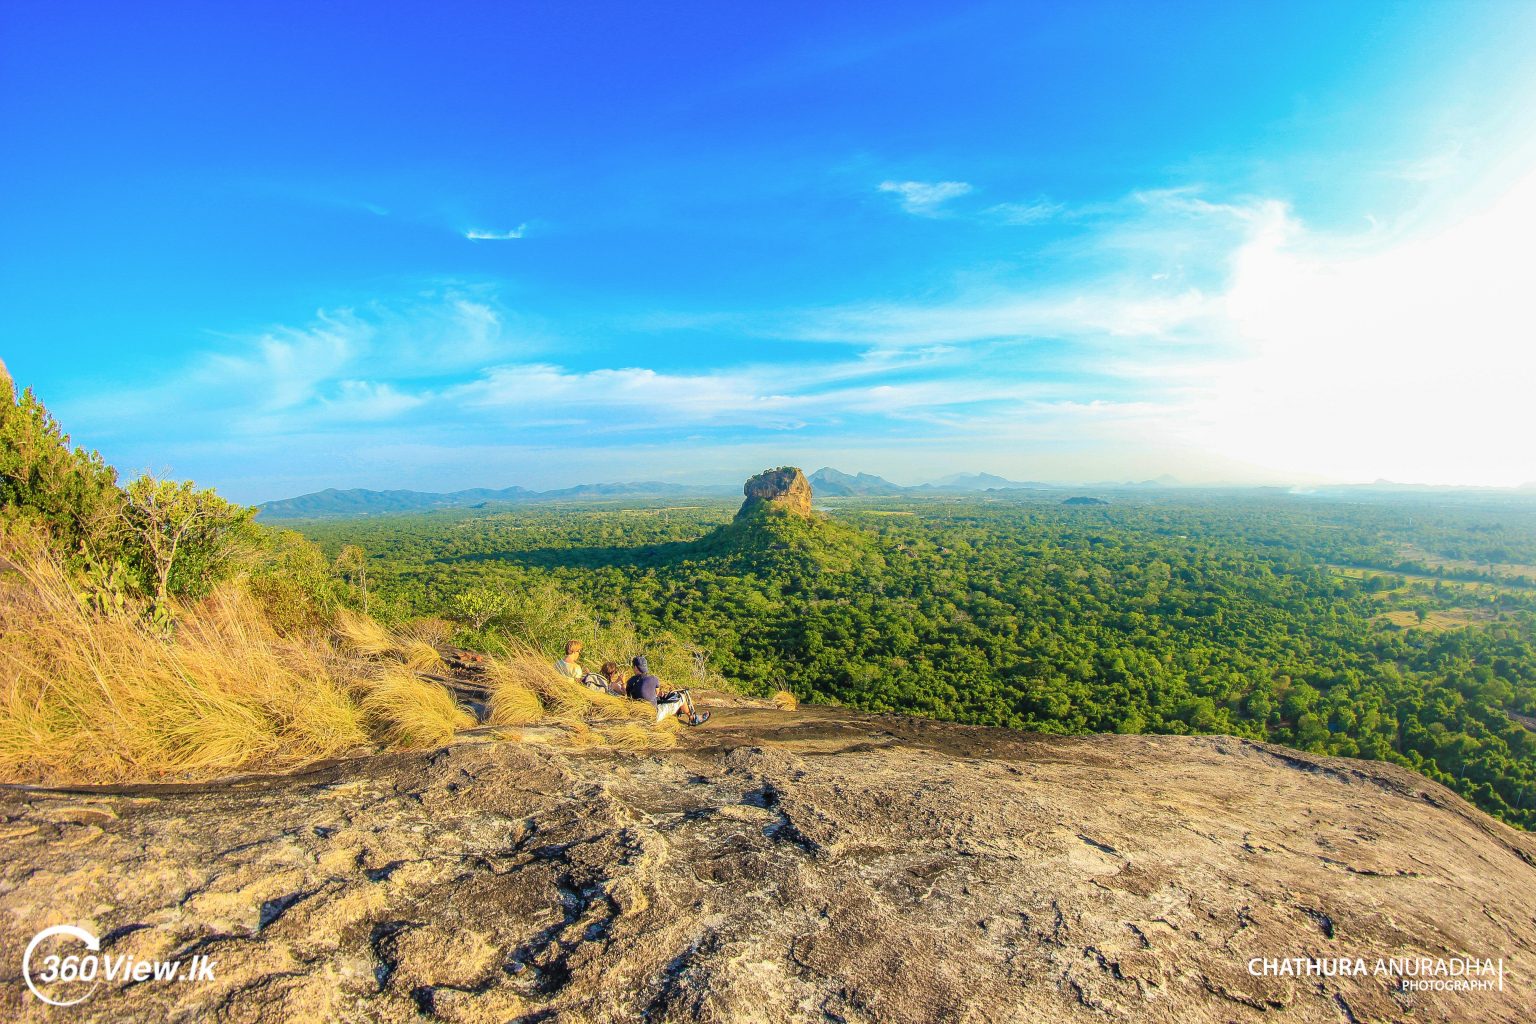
{"type": "Point", "coordinates": [700, 718]}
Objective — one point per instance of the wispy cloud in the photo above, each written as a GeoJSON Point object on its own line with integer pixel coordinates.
{"type": "Point", "coordinates": [1432, 167]}
{"type": "Point", "coordinates": [479, 235]}
{"type": "Point", "coordinates": [344, 364]}
{"type": "Point", "coordinates": [1101, 312]}
{"type": "Point", "coordinates": [627, 398]}
{"type": "Point", "coordinates": [361, 401]}
{"type": "Point", "coordinates": [925, 198]}
{"type": "Point", "coordinates": [1036, 212]}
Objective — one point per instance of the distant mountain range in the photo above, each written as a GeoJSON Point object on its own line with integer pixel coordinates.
{"type": "Point", "coordinates": [831, 483]}
{"type": "Point", "coordinates": [825, 482]}
{"type": "Point", "coordinates": [982, 482]}
{"type": "Point", "coordinates": [360, 501]}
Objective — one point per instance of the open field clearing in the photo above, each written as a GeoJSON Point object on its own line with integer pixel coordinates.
{"type": "Point", "coordinates": [1513, 570]}
{"type": "Point", "coordinates": [1440, 620]}
{"type": "Point", "coordinates": [1411, 579]}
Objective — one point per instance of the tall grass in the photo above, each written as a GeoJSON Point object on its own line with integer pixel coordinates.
{"type": "Point", "coordinates": [98, 696]}
{"type": "Point", "coordinates": [88, 696]}
{"type": "Point", "coordinates": [413, 712]}
{"type": "Point", "coordinates": [421, 656]}
{"type": "Point", "coordinates": [525, 688]}
{"type": "Point", "coordinates": [362, 635]}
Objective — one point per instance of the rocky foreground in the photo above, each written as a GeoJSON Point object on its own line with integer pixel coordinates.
{"type": "Point", "coordinates": [780, 866]}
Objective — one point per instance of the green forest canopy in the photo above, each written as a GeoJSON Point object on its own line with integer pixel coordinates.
{"type": "Point", "coordinates": [1396, 629]}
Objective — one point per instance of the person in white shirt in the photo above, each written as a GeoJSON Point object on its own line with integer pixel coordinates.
{"type": "Point", "coordinates": [570, 665]}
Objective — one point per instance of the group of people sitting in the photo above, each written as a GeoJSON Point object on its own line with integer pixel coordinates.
{"type": "Point", "coordinates": [642, 685]}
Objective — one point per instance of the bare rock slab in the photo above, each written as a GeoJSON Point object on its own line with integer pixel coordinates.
{"type": "Point", "coordinates": [781, 866]}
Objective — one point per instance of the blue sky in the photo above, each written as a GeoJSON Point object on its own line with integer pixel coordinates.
{"type": "Point", "coordinates": [280, 247]}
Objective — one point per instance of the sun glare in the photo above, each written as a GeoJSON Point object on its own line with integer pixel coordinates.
{"type": "Point", "coordinates": [1414, 360]}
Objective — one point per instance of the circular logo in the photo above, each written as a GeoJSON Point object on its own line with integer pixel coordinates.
{"type": "Point", "coordinates": [52, 970]}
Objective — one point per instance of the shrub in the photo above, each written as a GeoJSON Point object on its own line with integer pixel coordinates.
{"type": "Point", "coordinates": [186, 539]}
{"type": "Point", "coordinates": [70, 492]}
{"type": "Point", "coordinates": [289, 578]}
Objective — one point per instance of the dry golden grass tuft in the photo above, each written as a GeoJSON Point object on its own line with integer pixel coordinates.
{"type": "Point", "coordinates": [420, 656]}
{"type": "Point", "coordinates": [412, 712]}
{"type": "Point", "coordinates": [86, 696]}
{"type": "Point", "coordinates": [430, 629]}
{"type": "Point", "coordinates": [362, 635]}
{"type": "Point", "coordinates": [785, 700]}
{"type": "Point", "coordinates": [634, 736]}
{"type": "Point", "coordinates": [514, 695]}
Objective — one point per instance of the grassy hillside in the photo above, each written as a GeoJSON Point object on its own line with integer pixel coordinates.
{"type": "Point", "coordinates": [154, 630]}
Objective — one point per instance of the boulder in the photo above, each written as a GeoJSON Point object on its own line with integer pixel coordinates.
{"type": "Point", "coordinates": [785, 488]}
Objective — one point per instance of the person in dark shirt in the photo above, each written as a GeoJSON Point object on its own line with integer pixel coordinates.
{"type": "Point", "coordinates": [647, 687]}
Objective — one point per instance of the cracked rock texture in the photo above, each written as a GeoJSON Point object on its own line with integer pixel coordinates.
{"type": "Point", "coordinates": [779, 866]}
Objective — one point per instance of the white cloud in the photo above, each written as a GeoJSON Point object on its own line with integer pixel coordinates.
{"type": "Point", "coordinates": [344, 365]}
{"type": "Point", "coordinates": [1095, 311]}
{"type": "Point", "coordinates": [633, 398]}
{"type": "Point", "coordinates": [1433, 167]}
{"type": "Point", "coordinates": [1023, 214]}
{"type": "Point", "coordinates": [479, 235]}
{"type": "Point", "coordinates": [284, 367]}
{"type": "Point", "coordinates": [1413, 360]}
{"type": "Point", "coordinates": [358, 401]}
{"type": "Point", "coordinates": [637, 400]}
{"type": "Point", "coordinates": [925, 198]}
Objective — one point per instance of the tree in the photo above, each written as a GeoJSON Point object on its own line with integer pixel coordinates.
{"type": "Point", "coordinates": [352, 563]}
{"type": "Point", "coordinates": [71, 491]}
{"type": "Point", "coordinates": [1312, 734]}
{"type": "Point", "coordinates": [479, 605]}
{"type": "Point", "coordinates": [1301, 699]}
{"type": "Point", "coordinates": [187, 536]}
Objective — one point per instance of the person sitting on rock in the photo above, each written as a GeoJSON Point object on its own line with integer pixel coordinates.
{"type": "Point", "coordinates": [570, 667]}
{"type": "Point", "coordinates": [614, 677]}
{"type": "Point", "coordinates": [645, 686]}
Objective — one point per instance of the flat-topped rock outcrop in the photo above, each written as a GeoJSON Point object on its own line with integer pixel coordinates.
{"type": "Point", "coordinates": [785, 488]}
